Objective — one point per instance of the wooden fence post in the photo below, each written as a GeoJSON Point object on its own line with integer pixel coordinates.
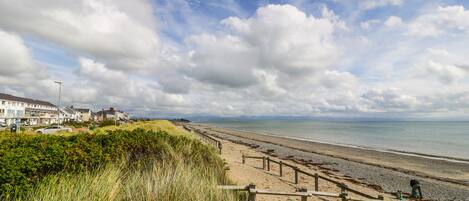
{"type": "Point", "coordinates": [263, 162]}
{"type": "Point", "coordinates": [316, 182]}
{"type": "Point", "coordinates": [268, 163]}
{"type": "Point", "coordinates": [244, 159]}
{"type": "Point", "coordinates": [343, 193]}
{"type": "Point", "coordinates": [251, 195]}
{"type": "Point", "coordinates": [280, 163]}
{"type": "Point", "coordinates": [296, 175]}
{"type": "Point", "coordinates": [303, 197]}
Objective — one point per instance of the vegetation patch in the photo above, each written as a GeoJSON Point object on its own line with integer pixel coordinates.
{"type": "Point", "coordinates": [25, 160]}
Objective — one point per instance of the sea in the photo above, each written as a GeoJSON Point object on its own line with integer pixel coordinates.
{"type": "Point", "coordinates": [435, 139]}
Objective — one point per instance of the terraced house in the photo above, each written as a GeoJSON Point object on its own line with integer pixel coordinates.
{"type": "Point", "coordinates": [29, 111]}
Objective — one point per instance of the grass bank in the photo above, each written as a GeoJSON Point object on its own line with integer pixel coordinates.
{"type": "Point", "coordinates": [142, 161]}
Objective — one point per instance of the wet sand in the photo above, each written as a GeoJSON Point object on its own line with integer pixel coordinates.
{"type": "Point", "coordinates": [384, 171]}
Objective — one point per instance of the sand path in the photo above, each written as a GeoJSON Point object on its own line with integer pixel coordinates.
{"type": "Point", "coordinates": [252, 172]}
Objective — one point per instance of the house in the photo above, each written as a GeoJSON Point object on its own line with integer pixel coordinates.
{"type": "Point", "coordinates": [29, 111]}
{"type": "Point", "coordinates": [85, 114]}
{"type": "Point", "coordinates": [112, 114]}
{"type": "Point", "coordinates": [70, 114]}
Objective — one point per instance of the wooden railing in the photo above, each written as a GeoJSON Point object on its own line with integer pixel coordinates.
{"type": "Point", "coordinates": [302, 193]}
{"type": "Point", "coordinates": [344, 188]}
{"type": "Point", "coordinates": [205, 138]}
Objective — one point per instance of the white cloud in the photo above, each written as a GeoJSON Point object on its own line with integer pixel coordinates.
{"type": "Point", "coordinates": [278, 61]}
{"type": "Point", "coordinates": [116, 32]}
{"type": "Point", "coordinates": [16, 63]}
{"type": "Point", "coordinates": [369, 23]}
{"type": "Point", "coordinates": [279, 38]}
{"type": "Point", "coordinates": [371, 4]}
{"type": "Point", "coordinates": [447, 74]}
{"type": "Point", "coordinates": [393, 21]}
{"type": "Point", "coordinates": [440, 20]}
{"type": "Point", "coordinates": [389, 99]}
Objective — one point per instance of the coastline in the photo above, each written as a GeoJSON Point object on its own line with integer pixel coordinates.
{"type": "Point", "coordinates": [390, 171]}
{"type": "Point", "coordinates": [394, 151]}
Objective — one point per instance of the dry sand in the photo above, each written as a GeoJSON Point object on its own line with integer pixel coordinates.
{"type": "Point", "coordinates": [252, 172]}
{"type": "Point", "coordinates": [368, 170]}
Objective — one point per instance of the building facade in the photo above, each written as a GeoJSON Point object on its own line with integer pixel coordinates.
{"type": "Point", "coordinates": [112, 114]}
{"type": "Point", "coordinates": [86, 115]}
{"type": "Point", "coordinates": [14, 109]}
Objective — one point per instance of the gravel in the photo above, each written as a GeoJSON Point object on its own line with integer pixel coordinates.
{"type": "Point", "coordinates": [389, 180]}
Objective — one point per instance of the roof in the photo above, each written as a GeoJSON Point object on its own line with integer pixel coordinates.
{"type": "Point", "coordinates": [82, 110]}
{"type": "Point", "coordinates": [26, 100]}
{"type": "Point", "coordinates": [68, 110]}
{"type": "Point", "coordinates": [109, 112]}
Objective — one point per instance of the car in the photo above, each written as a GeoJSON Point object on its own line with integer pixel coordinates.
{"type": "Point", "coordinates": [53, 129]}
{"type": "Point", "coordinates": [3, 125]}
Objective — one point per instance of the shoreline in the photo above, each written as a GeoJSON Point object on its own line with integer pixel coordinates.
{"type": "Point", "coordinates": [389, 171]}
{"type": "Point", "coordinates": [383, 150]}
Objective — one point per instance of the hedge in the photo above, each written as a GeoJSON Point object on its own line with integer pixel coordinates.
{"type": "Point", "coordinates": [24, 160]}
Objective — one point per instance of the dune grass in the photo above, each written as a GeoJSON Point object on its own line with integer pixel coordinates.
{"type": "Point", "coordinates": [174, 181]}
{"type": "Point", "coordinates": [163, 162]}
{"type": "Point", "coordinates": [156, 125]}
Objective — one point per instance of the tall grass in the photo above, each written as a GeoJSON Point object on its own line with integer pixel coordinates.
{"type": "Point", "coordinates": [156, 125]}
{"type": "Point", "coordinates": [159, 181]}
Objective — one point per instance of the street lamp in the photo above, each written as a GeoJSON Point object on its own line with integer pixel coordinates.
{"type": "Point", "coordinates": [60, 93]}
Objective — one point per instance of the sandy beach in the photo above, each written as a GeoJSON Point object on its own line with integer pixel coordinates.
{"type": "Point", "coordinates": [386, 172]}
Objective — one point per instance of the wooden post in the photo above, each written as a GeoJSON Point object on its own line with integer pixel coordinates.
{"type": "Point", "coordinates": [268, 163]}
{"type": "Point", "coordinates": [316, 182]}
{"type": "Point", "coordinates": [343, 193]}
{"type": "Point", "coordinates": [281, 168]}
{"type": "Point", "coordinates": [296, 175]}
{"type": "Point", "coordinates": [251, 196]}
{"type": "Point", "coordinates": [263, 162]}
{"type": "Point", "coordinates": [303, 197]}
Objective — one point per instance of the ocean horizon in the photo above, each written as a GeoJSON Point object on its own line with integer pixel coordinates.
{"type": "Point", "coordinates": [437, 138]}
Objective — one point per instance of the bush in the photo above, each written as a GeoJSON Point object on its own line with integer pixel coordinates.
{"type": "Point", "coordinates": [107, 123]}
{"type": "Point", "coordinates": [26, 159]}
{"type": "Point", "coordinates": [76, 124]}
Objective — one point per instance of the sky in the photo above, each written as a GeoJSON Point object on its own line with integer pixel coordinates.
{"type": "Point", "coordinates": [176, 58]}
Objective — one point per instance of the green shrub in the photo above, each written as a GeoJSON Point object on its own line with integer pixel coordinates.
{"type": "Point", "coordinates": [76, 124]}
{"type": "Point", "coordinates": [107, 123]}
{"type": "Point", "coordinates": [26, 159]}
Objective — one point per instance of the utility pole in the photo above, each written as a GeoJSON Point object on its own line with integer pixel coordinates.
{"type": "Point", "coordinates": [60, 94]}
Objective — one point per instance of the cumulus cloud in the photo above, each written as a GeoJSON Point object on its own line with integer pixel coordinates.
{"type": "Point", "coordinates": [440, 20]}
{"type": "Point", "coordinates": [369, 23]}
{"type": "Point", "coordinates": [279, 38]}
{"type": "Point", "coordinates": [118, 89]}
{"type": "Point", "coordinates": [279, 60]}
{"type": "Point", "coordinates": [116, 32]}
{"type": "Point", "coordinates": [371, 4]}
{"type": "Point", "coordinates": [389, 99]}
{"type": "Point", "coordinates": [16, 62]}
{"type": "Point", "coordinates": [393, 21]}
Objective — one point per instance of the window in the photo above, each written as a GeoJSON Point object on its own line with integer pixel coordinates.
{"type": "Point", "coordinates": [4, 102]}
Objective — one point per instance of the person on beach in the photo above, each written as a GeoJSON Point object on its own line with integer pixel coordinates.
{"type": "Point", "coordinates": [416, 190]}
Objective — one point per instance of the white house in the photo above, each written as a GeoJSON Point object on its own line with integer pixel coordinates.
{"type": "Point", "coordinates": [70, 114]}
{"type": "Point", "coordinates": [17, 109]}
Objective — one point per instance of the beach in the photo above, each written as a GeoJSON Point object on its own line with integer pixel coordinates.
{"type": "Point", "coordinates": [384, 171]}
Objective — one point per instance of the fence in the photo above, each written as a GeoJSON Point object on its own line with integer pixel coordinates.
{"type": "Point", "coordinates": [302, 193]}
{"type": "Point", "coordinates": [205, 138]}
{"type": "Point", "coordinates": [344, 188]}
